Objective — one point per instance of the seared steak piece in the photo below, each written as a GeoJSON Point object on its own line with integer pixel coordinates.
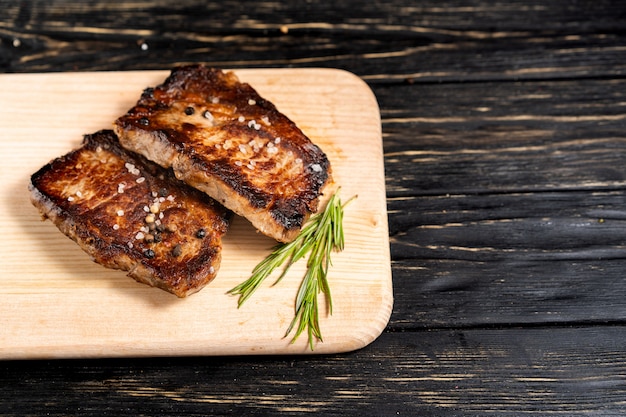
{"type": "Point", "coordinates": [220, 136]}
{"type": "Point", "coordinates": [131, 214]}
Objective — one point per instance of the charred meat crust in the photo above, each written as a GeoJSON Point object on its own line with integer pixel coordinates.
{"type": "Point", "coordinates": [220, 136]}
{"type": "Point", "coordinates": [131, 214]}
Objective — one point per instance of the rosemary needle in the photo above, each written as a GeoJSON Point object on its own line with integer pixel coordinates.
{"type": "Point", "coordinates": [320, 236]}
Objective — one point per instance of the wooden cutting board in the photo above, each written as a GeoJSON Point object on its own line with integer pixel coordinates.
{"type": "Point", "coordinates": [57, 303]}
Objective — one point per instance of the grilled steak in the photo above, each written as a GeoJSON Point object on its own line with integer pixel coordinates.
{"type": "Point", "coordinates": [221, 137]}
{"type": "Point", "coordinates": [129, 213]}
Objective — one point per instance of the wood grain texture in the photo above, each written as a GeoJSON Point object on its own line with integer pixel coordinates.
{"type": "Point", "coordinates": [505, 137]}
{"type": "Point", "coordinates": [503, 133]}
{"type": "Point", "coordinates": [427, 373]}
{"type": "Point", "coordinates": [40, 265]}
{"type": "Point", "coordinates": [509, 205]}
{"type": "Point", "coordinates": [382, 41]}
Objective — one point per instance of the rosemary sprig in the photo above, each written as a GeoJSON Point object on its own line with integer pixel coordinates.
{"type": "Point", "coordinates": [320, 236]}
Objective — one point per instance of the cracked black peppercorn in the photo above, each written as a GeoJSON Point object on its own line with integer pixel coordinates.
{"type": "Point", "coordinates": [201, 233]}
{"type": "Point", "coordinates": [189, 111]}
{"type": "Point", "coordinates": [149, 253]}
{"type": "Point", "coordinates": [177, 251]}
{"type": "Point", "coordinates": [144, 121]}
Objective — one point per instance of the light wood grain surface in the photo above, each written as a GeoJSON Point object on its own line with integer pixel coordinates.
{"type": "Point", "coordinates": [57, 303]}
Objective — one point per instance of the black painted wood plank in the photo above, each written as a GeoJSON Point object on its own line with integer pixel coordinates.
{"type": "Point", "coordinates": [504, 137]}
{"type": "Point", "coordinates": [548, 371]}
{"type": "Point", "coordinates": [381, 41]}
{"type": "Point", "coordinates": [508, 258]}
{"type": "Point", "coordinates": [495, 200]}
{"type": "Point", "coordinates": [501, 259]}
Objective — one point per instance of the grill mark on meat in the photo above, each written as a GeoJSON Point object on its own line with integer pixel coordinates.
{"type": "Point", "coordinates": [220, 136]}
{"type": "Point", "coordinates": [129, 213]}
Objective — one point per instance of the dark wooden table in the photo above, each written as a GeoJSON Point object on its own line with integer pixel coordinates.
{"type": "Point", "coordinates": [504, 128]}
